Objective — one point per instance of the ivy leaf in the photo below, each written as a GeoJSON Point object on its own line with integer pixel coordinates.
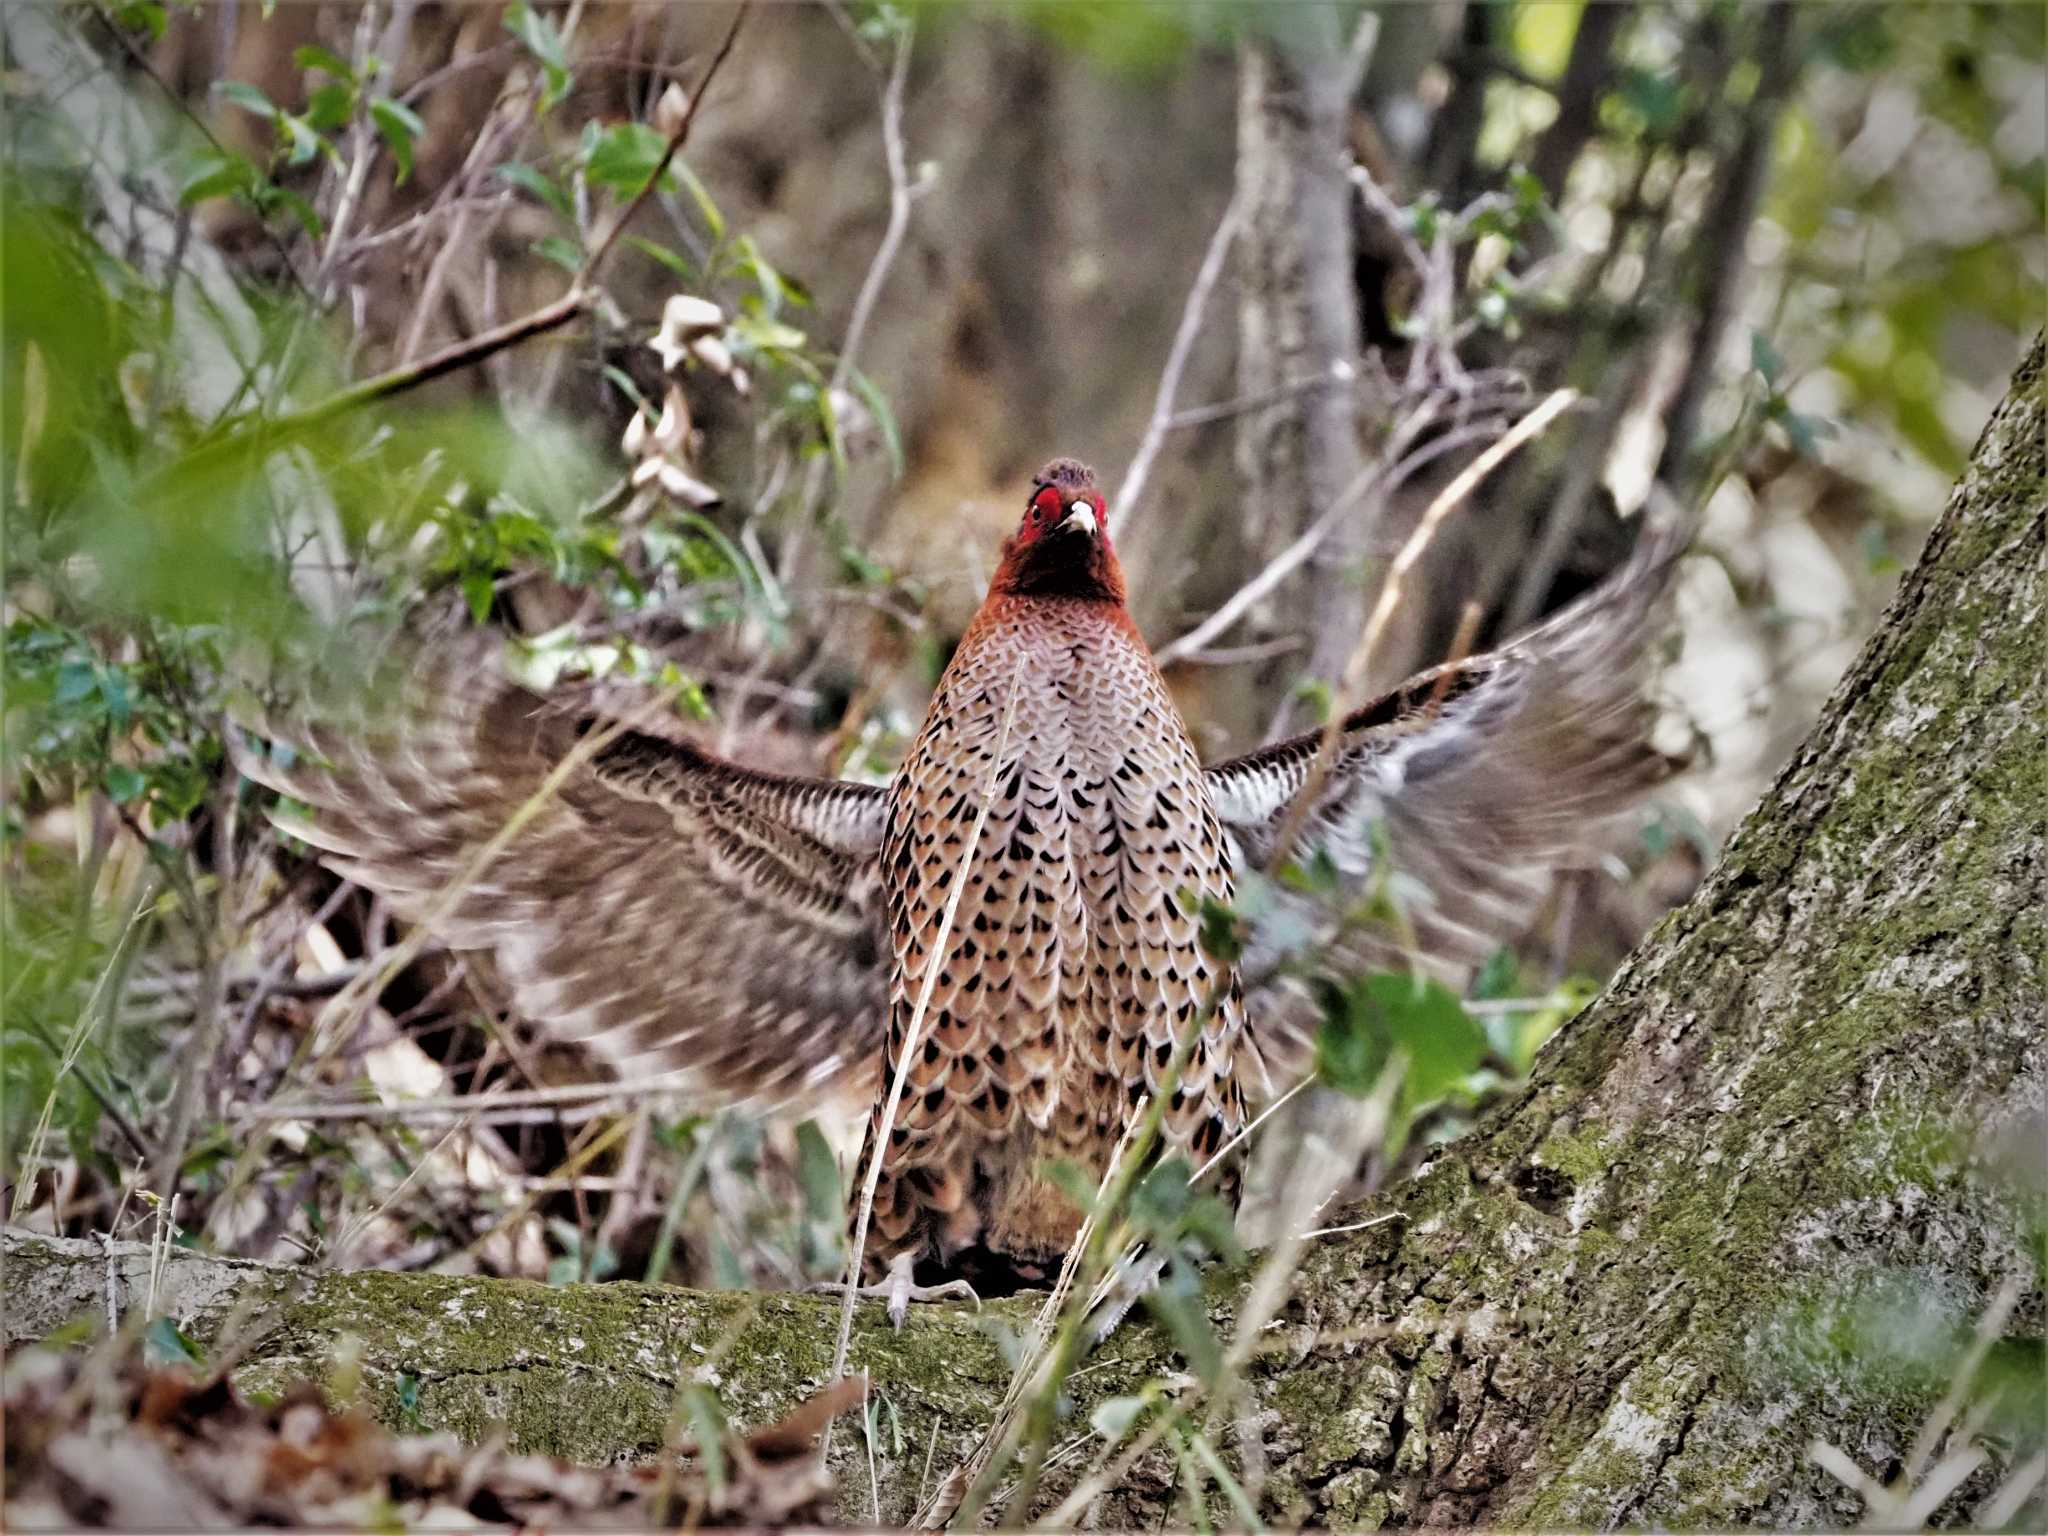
{"type": "Point", "coordinates": [399, 126]}
{"type": "Point", "coordinates": [1426, 1020]}
{"type": "Point", "coordinates": [1366, 1022]}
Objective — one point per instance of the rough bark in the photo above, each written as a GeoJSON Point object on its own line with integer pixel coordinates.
{"type": "Point", "coordinates": [1596, 1309]}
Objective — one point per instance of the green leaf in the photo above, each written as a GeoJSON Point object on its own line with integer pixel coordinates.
{"type": "Point", "coordinates": [143, 15]}
{"type": "Point", "coordinates": [1114, 1416]}
{"type": "Point", "coordinates": [1366, 1022]}
{"type": "Point", "coordinates": [623, 157]}
{"type": "Point", "coordinates": [479, 590]}
{"type": "Point", "coordinates": [1498, 977]}
{"type": "Point", "coordinates": [1763, 357]}
{"type": "Point", "coordinates": [400, 126]}
{"type": "Point", "coordinates": [305, 142]}
{"type": "Point", "coordinates": [76, 680]}
{"type": "Point", "coordinates": [313, 56]}
{"type": "Point", "coordinates": [540, 38]}
{"type": "Point", "coordinates": [707, 1420]}
{"type": "Point", "coordinates": [330, 105]}
{"type": "Point", "coordinates": [661, 253]}
{"type": "Point", "coordinates": [1178, 1302]}
{"type": "Point", "coordinates": [241, 94]}
{"type": "Point", "coordinates": [1222, 930]}
{"type": "Point", "coordinates": [707, 209]}
{"type": "Point", "coordinates": [885, 419]}
{"type": "Point", "coordinates": [164, 1344]}
{"type": "Point", "coordinates": [271, 197]}
{"type": "Point", "coordinates": [566, 254]}
{"type": "Point", "coordinates": [748, 258]}
{"type": "Point", "coordinates": [221, 175]}
{"type": "Point", "coordinates": [540, 185]}
{"type": "Point", "coordinates": [1426, 1019]}
{"type": "Point", "coordinates": [123, 783]}
{"type": "Point", "coordinates": [818, 1173]}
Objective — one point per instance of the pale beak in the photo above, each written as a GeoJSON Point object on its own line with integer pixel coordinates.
{"type": "Point", "coordinates": [1081, 517]}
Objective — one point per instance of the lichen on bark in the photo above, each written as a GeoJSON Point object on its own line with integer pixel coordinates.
{"type": "Point", "coordinates": [1606, 1305]}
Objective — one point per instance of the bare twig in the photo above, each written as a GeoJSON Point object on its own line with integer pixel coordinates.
{"type": "Point", "coordinates": [903, 195]}
{"type": "Point", "coordinates": [587, 273]}
{"type": "Point", "coordinates": [1375, 477]}
{"type": "Point", "coordinates": [903, 192]}
{"type": "Point", "coordinates": [1132, 489]}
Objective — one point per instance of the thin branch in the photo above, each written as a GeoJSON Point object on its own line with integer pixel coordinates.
{"type": "Point", "coordinates": [1222, 410]}
{"type": "Point", "coordinates": [1196, 641]}
{"type": "Point", "coordinates": [902, 194]}
{"type": "Point", "coordinates": [1132, 489]}
{"type": "Point", "coordinates": [588, 271]}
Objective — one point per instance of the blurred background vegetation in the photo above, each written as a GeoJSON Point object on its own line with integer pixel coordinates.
{"type": "Point", "coordinates": [1788, 253]}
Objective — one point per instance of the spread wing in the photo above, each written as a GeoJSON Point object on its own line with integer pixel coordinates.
{"type": "Point", "coordinates": [1471, 783]}
{"type": "Point", "coordinates": [675, 912]}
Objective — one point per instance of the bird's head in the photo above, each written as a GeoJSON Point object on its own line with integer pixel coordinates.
{"type": "Point", "coordinates": [1061, 547]}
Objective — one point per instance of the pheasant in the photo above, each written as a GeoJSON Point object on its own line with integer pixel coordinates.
{"type": "Point", "coordinates": [1033, 867]}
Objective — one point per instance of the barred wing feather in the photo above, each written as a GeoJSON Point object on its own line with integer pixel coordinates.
{"type": "Point", "coordinates": [675, 912]}
{"type": "Point", "coordinates": [1476, 780]}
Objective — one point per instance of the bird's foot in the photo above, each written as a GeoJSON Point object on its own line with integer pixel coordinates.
{"type": "Point", "coordinates": [899, 1290]}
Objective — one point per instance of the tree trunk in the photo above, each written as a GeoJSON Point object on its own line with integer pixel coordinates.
{"type": "Point", "coordinates": [1603, 1305]}
{"type": "Point", "coordinates": [1298, 320]}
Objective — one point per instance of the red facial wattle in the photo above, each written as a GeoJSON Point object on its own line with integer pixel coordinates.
{"type": "Point", "coordinates": [1052, 507]}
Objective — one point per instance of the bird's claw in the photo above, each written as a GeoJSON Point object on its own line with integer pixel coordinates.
{"type": "Point", "coordinates": [899, 1290]}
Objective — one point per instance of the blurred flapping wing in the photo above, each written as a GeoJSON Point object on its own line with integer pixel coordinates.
{"type": "Point", "coordinates": [1476, 780]}
{"type": "Point", "coordinates": [674, 912]}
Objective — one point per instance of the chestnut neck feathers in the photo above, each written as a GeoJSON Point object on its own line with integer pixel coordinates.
{"type": "Point", "coordinates": [1061, 547]}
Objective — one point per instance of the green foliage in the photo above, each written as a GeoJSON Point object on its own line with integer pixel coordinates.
{"type": "Point", "coordinates": [1410, 1025]}
{"type": "Point", "coordinates": [164, 1343]}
